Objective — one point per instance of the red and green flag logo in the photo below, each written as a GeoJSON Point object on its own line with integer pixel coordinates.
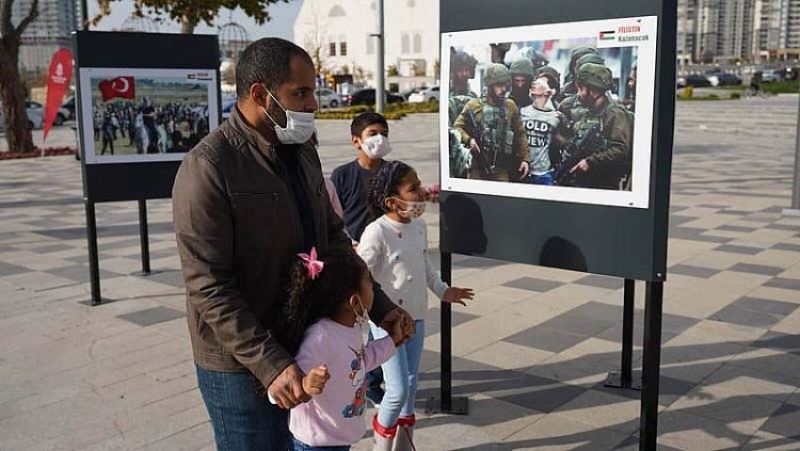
{"type": "Point", "coordinates": [607, 35]}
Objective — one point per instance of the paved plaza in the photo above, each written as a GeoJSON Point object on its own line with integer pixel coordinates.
{"type": "Point", "coordinates": [531, 352]}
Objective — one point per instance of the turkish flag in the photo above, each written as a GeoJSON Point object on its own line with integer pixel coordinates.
{"type": "Point", "coordinates": [120, 87]}
{"type": "Point", "coordinates": [57, 82]}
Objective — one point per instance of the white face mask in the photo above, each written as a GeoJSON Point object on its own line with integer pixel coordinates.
{"type": "Point", "coordinates": [412, 210]}
{"type": "Point", "coordinates": [299, 126]}
{"type": "Point", "coordinates": [376, 147]}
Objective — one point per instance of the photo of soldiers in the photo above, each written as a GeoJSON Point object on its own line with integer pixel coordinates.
{"type": "Point", "coordinates": [598, 134]}
{"type": "Point", "coordinates": [551, 117]}
{"type": "Point", "coordinates": [579, 135]}
{"type": "Point", "coordinates": [491, 127]}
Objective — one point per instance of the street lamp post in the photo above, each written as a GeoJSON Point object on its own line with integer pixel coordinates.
{"type": "Point", "coordinates": [379, 88]}
{"type": "Point", "coordinates": [795, 208]}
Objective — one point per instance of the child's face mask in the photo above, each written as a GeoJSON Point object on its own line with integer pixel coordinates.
{"type": "Point", "coordinates": [412, 209]}
{"type": "Point", "coordinates": [376, 147]}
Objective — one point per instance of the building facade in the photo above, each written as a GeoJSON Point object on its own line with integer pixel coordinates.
{"type": "Point", "coordinates": [339, 35]}
{"type": "Point", "coordinates": [45, 35]}
{"type": "Point", "coordinates": [737, 30]}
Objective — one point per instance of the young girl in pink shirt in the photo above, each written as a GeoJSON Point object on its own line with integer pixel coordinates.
{"type": "Point", "coordinates": [326, 324]}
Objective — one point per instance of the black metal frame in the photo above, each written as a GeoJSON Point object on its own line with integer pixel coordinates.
{"type": "Point", "coordinates": [133, 181]}
{"type": "Point", "coordinates": [494, 227]}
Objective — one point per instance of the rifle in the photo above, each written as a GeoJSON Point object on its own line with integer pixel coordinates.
{"type": "Point", "coordinates": [474, 131]}
{"type": "Point", "coordinates": [575, 151]}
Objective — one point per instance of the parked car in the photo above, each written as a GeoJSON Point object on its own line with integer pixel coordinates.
{"type": "Point", "coordinates": [227, 105]}
{"type": "Point", "coordinates": [35, 112]}
{"type": "Point", "coordinates": [66, 112]}
{"type": "Point", "coordinates": [680, 82]}
{"type": "Point", "coordinates": [425, 95]}
{"type": "Point", "coordinates": [328, 98]}
{"type": "Point", "coordinates": [771, 76]}
{"type": "Point", "coordinates": [698, 81]}
{"type": "Point", "coordinates": [367, 97]}
{"type": "Point", "coordinates": [406, 94]}
{"type": "Point", "coordinates": [791, 73]}
{"type": "Point", "coordinates": [729, 80]}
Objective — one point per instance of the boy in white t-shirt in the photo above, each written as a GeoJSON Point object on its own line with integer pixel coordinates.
{"type": "Point", "coordinates": [541, 122]}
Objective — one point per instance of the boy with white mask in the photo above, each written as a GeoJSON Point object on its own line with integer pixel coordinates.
{"type": "Point", "coordinates": [540, 121]}
{"type": "Point", "coordinates": [369, 133]}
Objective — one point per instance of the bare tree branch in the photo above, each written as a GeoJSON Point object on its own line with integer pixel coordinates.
{"type": "Point", "coordinates": [5, 18]}
{"type": "Point", "coordinates": [32, 15]}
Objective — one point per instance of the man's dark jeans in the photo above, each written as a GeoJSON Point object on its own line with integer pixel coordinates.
{"type": "Point", "coordinates": [242, 417]}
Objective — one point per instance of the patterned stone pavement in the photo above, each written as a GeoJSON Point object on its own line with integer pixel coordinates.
{"type": "Point", "coordinates": [531, 352]}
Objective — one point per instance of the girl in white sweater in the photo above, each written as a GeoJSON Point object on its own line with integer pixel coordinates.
{"type": "Point", "coordinates": [395, 249]}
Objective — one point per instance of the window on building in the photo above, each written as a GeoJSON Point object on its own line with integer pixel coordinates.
{"type": "Point", "coordinates": [404, 44]}
{"type": "Point", "coordinates": [417, 43]}
{"type": "Point", "coordinates": [411, 3]}
{"type": "Point", "coordinates": [336, 11]}
{"type": "Point", "coordinates": [343, 48]}
{"type": "Point", "coordinates": [332, 49]}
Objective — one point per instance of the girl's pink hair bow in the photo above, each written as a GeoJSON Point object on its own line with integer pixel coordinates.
{"type": "Point", "coordinates": [313, 266]}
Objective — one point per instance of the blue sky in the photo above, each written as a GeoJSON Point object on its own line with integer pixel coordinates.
{"type": "Point", "coordinates": [281, 25]}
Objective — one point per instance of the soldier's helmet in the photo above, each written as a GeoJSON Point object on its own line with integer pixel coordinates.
{"type": "Point", "coordinates": [461, 59]}
{"type": "Point", "coordinates": [496, 74]}
{"type": "Point", "coordinates": [589, 58]}
{"type": "Point", "coordinates": [551, 74]}
{"type": "Point", "coordinates": [521, 66]}
{"type": "Point", "coordinates": [577, 53]}
{"type": "Point", "coordinates": [595, 76]}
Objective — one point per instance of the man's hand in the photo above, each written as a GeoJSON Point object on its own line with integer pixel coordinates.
{"type": "Point", "coordinates": [406, 323]}
{"type": "Point", "coordinates": [314, 381]}
{"type": "Point", "coordinates": [582, 166]}
{"type": "Point", "coordinates": [397, 333]}
{"type": "Point", "coordinates": [473, 147]}
{"type": "Point", "coordinates": [287, 388]}
{"type": "Point", "coordinates": [455, 295]}
{"type": "Point", "coordinates": [524, 167]}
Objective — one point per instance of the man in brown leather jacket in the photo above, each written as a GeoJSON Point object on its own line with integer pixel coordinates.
{"type": "Point", "coordinates": [246, 201]}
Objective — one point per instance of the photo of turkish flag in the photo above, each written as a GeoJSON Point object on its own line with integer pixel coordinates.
{"type": "Point", "coordinates": [120, 87]}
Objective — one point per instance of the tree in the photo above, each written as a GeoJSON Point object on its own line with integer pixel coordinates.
{"type": "Point", "coordinates": [191, 12]}
{"type": "Point", "coordinates": [12, 89]}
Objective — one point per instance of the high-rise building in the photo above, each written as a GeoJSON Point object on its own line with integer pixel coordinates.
{"type": "Point", "coordinates": [49, 32]}
{"type": "Point", "coordinates": [734, 30]}
{"type": "Point", "coordinates": [735, 25]}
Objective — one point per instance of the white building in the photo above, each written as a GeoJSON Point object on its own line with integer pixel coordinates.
{"type": "Point", "coordinates": [339, 36]}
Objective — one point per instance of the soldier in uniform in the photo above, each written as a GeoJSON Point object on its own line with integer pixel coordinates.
{"type": "Point", "coordinates": [569, 80]}
{"type": "Point", "coordinates": [462, 69]}
{"type": "Point", "coordinates": [492, 129]}
{"type": "Point", "coordinates": [609, 164]}
{"type": "Point", "coordinates": [521, 71]}
{"type": "Point", "coordinates": [571, 106]}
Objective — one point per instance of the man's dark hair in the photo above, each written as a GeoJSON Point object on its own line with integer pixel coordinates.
{"type": "Point", "coordinates": [364, 120]}
{"type": "Point", "coordinates": [267, 61]}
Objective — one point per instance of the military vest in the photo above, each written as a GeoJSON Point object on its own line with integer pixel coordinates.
{"type": "Point", "coordinates": [498, 136]}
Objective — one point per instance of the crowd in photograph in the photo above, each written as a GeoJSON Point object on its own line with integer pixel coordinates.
{"type": "Point", "coordinates": [149, 127]}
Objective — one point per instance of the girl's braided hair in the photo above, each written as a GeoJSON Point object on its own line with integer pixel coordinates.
{"type": "Point", "coordinates": [385, 184]}
{"type": "Point", "coordinates": [323, 297]}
